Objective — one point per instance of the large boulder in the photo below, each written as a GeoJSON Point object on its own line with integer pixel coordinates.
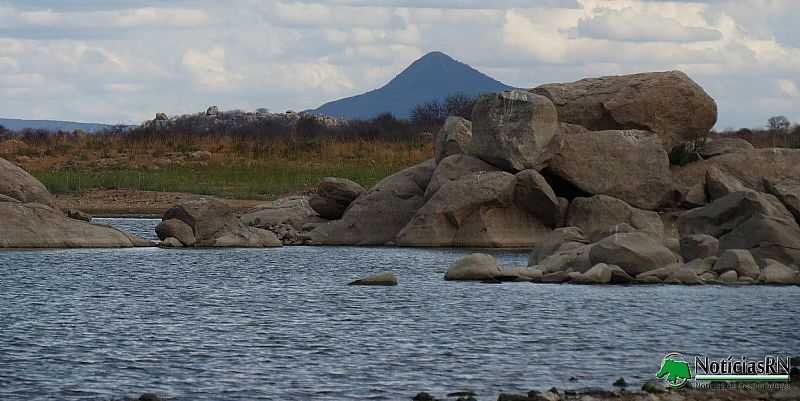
{"type": "Point", "coordinates": [34, 225]}
{"type": "Point", "coordinates": [635, 253]}
{"type": "Point", "coordinates": [559, 239]}
{"type": "Point", "coordinates": [788, 192]}
{"type": "Point", "coordinates": [747, 220]}
{"type": "Point", "coordinates": [749, 167]}
{"type": "Point", "coordinates": [514, 130]}
{"type": "Point", "coordinates": [215, 225]}
{"type": "Point", "coordinates": [454, 167]}
{"type": "Point", "coordinates": [333, 196]}
{"type": "Point", "coordinates": [601, 215]}
{"type": "Point", "coordinates": [454, 137]}
{"type": "Point", "coordinates": [533, 194]}
{"type": "Point", "coordinates": [698, 246]}
{"type": "Point", "coordinates": [721, 146]}
{"type": "Point", "coordinates": [720, 184]}
{"type": "Point", "coordinates": [476, 211]}
{"type": "Point", "coordinates": [667, 103]}
{"type": "Point", "coordinates": [739, 260]}
{"type": "Point", "coordinates": [602, 273]}
{"type": "Point", "coordinates": [777, 273]}
{"type": "Point", "coordinates": [17, 184]}
{"type": "Point", "coordinates": [628, 165]}
{"type": "Point", "coordinates": [177, 229]}
{"type": "Point", "coordinates": [474, 267]}
{"type": "Point", "coordinates": [378, 215]}
{"type": "Point", "coordinates": [294, 211]}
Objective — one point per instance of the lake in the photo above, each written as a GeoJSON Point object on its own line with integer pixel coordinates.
{"type": "Point", "coordinates": [281, 324]}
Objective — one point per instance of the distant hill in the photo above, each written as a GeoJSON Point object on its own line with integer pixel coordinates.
{"type": "Point", "coordinates": [434, 76]}
{"type": "Point", "coordinates": [50, 125]}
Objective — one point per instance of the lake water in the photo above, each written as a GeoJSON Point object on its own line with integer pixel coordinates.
{"type": "Point", "coordinates": [280, 324]}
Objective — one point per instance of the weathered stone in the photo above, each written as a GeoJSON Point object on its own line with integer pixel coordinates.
{"type": "Point", "coordinates": [700, 265]}
{"type": "Point", "coordinates": [556, 277]}
{"type": "Point", "coordinates": [777, 273]}
{"type": "Point", "coordinates": [721, 146]}
{"type": "Point", "coordinates": [524, 273]}
{"type": "Point", "coordinates": [698, 246]}
{"type": "Point", "coordinates": [719, 184]}
{"type": "Point", "coordinates": [533, 194]}
{"type": "Point", "coordinates": [18, 184]}
{"type": "Point", "coordinates": [333, 196]}
{"type": "Point", "coordinates": [376, 217]}
{"type": "Point", "coordinates": [628, 165]}
{"type": "Point", "coordinates": [635, 253]}
{"type": "Point", "coordinates": [788, 192]}
{"type": "Point", "coordinates": [513, 130]}
{"type": "Point", "coordinates": [384, 279]}
{"type": "Point", "coordinates": [171, 242]}
{"type": "Point", "coordinates": [729, 277]}
{"type": "Point", "coordinates": [455, 167]}
{"type": "Point", "coordinates": [214, 225]}
{"type": "Point", "coordinates": [454, 137]}
{"type": "Point", "coordinates": [668, 103]}
{"type": "Point", "coordinates": [600, 215]}
{"type": "Point", "coordinates": [738, 260]}
{"type": "Point", "coordinates": [475, 211]}
{"type": "Point", "coordinates": [559, 239]}
{"type": "Point", "coordinates": [177, 229]}
{"type": "Point", "coordinates": [474, 267]}
{"type": "Point", "coordinates": [684, 276]}
{"type": "Point", "coordinates": [294, 211]}
{"type": "Point", "coordinates": [569, 259]}
{"type": "Point", "coordinates": [78, 215]}
{"type": "Point", "coordinates": [602, 273]}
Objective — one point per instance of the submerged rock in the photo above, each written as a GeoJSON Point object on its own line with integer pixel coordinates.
{"type": "Point", "coordinates": [380, 279]}
{"type": "Point", "coordinates": [474, 267]}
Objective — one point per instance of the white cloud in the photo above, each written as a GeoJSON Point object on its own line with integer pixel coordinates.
{"type": "Point", "coordinates": [630, 25]}
{"type": "Point", "coordinates": [207, 69]}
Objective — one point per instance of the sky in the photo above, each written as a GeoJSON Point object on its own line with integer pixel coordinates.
{"type": "Point", "coordinates": [123, 61]}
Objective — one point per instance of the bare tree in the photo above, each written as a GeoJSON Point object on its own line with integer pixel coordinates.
{"type": "Point", "coordinates": [778, 124]}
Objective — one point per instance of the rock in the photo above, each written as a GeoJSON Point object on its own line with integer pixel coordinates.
{"type": "Point", "coordinates": [685, 276]}
{"type": "Point", "coordinates": [513, 130]}
{"type": "Point", "coordinates": [653, 388]}
{"type": "Point", "coordinates": [385, 278]}
{"type": "Point", "coordinates": [78, 215]}
{"type": "Point", "coordinates": [16, 183]}
{"type": "Point", "coordinates": [34, 225]}
{"type": "Point", "coordinates": [568, 259]}
{"type": "Point", "coordinates": [200, 155]}
{"type": "Point", "coordinates": [775, 272]}
{"type": "Point", "coordinates": [294, 211]}
{"type": "Point", "coordinates": [12, 146]}
{"type": "Point", "coordinates": [747, 220]}
{"type": "Point", "coordinates": [474, 211]}
{"type": "Point", "coordinates": [140, 242]}
{"type": "Point", "coordinates": [628, 165]}
{"type": "Point", "coordinates": [150, 397]}
{"type": "Point", "coordinates": [674, 245]}
{"type": "Point", "coordinates": [719, 184]}
{"type": "Point", "coordinates": [598, 274]}
{"type": "Point", "coordinates": [599, 215]}
{"type": "Point", "coordinates": [177, 229]}
{"type": "Point", "coordinates": [738, 260]}
{"type": "Point", "coordinates": [721, 146]}
{"type": "Point", "coordinates": [161, 117]}
{"type": "Point", "coordinates": [729, 277]}
{"type": "Point", "coordinates": [455, 167]}
{"type": "Point", "coordinates": [523, 273]}
{"type": "Point", "coordinates": [334, 195]}
{"type": "Point", "coordinates": [171, 242]}
{"type": "Point", "coordinates": [454, 137]}
{"type": "Point", "coordinates": [214, 225]}
{"type": "Point", "coordinates": [556, 277]}
{"type": "Point", "coordinates": [212, 111]}
{"type": "Point", "coordinates": [698, 246]}
{"type": "Point", "coordinates": [376, 217]}
{"type": "Point", "coordinates": [788, 192]}
{"type": "Point", "coordinates": [533, 194]}
{"type": "Point", "coordinates": [694, 197]}
{"type": "Point", "coordinates": [423, 396]}
{"type": "Point", "coordinates": [474, 267]}
{"type": "Point", "coordinates": [635, 253]}
{"type": "Point", "coordinates": [668, 103]}
{"type": "Point", "coordinates": [620, 382]}
{"type": "Point", "coordinates": [750, 167]}
{"type": "Point", "coordinates": [660, 274]}
{"type": "Point", "coordinates": [557, 240]}
{"type": "Point", "coordinates": [709, 277]}
{"type": "Point", "coordinates": [700, 266]}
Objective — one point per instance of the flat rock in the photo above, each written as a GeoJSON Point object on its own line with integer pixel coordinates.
{"type": "Point", "coordinates": [474, 267]}
{"type": "Point", "coordinates": [380, 279]}
{"type": "Point", "coordinates": [453, 168]}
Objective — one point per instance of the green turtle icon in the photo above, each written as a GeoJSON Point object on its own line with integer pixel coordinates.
{"type": "Point", "coordinates": [675, 369]}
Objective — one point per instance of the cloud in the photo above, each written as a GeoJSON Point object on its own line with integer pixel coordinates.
{"type": "Point", "coordinates": [208, 70]}
{"type": "Point", "coordinates": [628, 25]}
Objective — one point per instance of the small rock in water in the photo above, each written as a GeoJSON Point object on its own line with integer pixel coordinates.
{"type": "Point", "coordinates": [653, 388]}
{"type": "Point", "coordinates": [573, 379]}
{"type": "Point", "coordinates": [461, 394]}
{"type": "Point", "coordinates": [385, 278]}
{"type": "Point", "coordinates": [423, 396]}
{"type": "Point", "coordinates": [150, 397]}
{"type": "Point", "coordinates": [620, 382]}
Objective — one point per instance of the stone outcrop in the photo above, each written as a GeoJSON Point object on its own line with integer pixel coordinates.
{"type": "Point", "coordinates": [601, 215]}
{"type": "Point", "coordinates": [377, 216]}
{"type": "Point", "coordinates": [454, 137]}
{"type": "Point", "coordinates": [333, 197]}
{"type": "Point", "coordinates": [635, 253]}
{"type": "Point", "coordinates": [719, 184]}
{"type": "Point", "coordinates": [698, 246]}
{"type": "Point", "coordinates": [477, 211]}
{"type": "Point", "coordinates": [513, 130]}
{"type": "Point", "coordinates": [454, 167]}
{"type": "Point", "coordinates": [748, 220]}
{"type": "Point", "coordinates": [289, 218]}
{"type": "Point", "coordinates": [738, 260]}
{"type": "Point", "coordinates": [667, 103]}
{"type": "Point", "coordinates": [17, 184]}
{"type": "Point", "coordinates": [721, 146]}
{"type": "Point", "coordinates": [788, 192]}
{"type": "Point", "coordinates": [176, 229]}
{"type": "Point", "coordinates": [474, 267]}
{"type": "Point", "coordinates": [775, 272]}
{"type": "Point", "coordinates": [533, 194]}
{"type": "Point", "coordinates": [214, 225]}
{"type": "Point", "coordinates": [628, 165]}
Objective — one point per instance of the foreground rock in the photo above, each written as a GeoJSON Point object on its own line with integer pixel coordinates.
{"type": "Point", "coordinates": [380, 279]}
{"type": "Point", "coordinates": [378, 215]}
{"type": "Point", "coordinates": [454, 137]}
{"type": "Point", "coordinates": [667, 103]}
{"type": "Point", "coordinates": [453, 168]}
{"type": "Point", "coordinates": [475, 267]}
{"type": "Point", "coordinates": [213, 224]}
{"type": "Point", "coordinates": [333, 196]}
{"type": "Point", "coordinates": [635, 253]}
{"type": "Point", "coordinates": [513, 130]}
{"type": "Point", "coordinates": [628, 165]}
{"type": "Point", "coordinates": [601, 216]}
{"type": "Point", "coordinates": [289, 218]}
{"type": "Point", "coordinates": [17, 184]}
{"type": "Point", "coordinates": [474, 211]}
{"type": "Point", "coordinates": [533, 194]}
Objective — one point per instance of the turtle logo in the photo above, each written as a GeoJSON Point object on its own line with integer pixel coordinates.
{"type": "Point", "coordinates": [675, 369]}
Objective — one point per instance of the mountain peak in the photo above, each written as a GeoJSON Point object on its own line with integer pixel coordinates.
{"type": "Point", "coordinates": [434, 76]}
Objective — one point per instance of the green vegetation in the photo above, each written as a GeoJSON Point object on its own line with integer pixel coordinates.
{"type": "Point", "coordinates": [255, 181]}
